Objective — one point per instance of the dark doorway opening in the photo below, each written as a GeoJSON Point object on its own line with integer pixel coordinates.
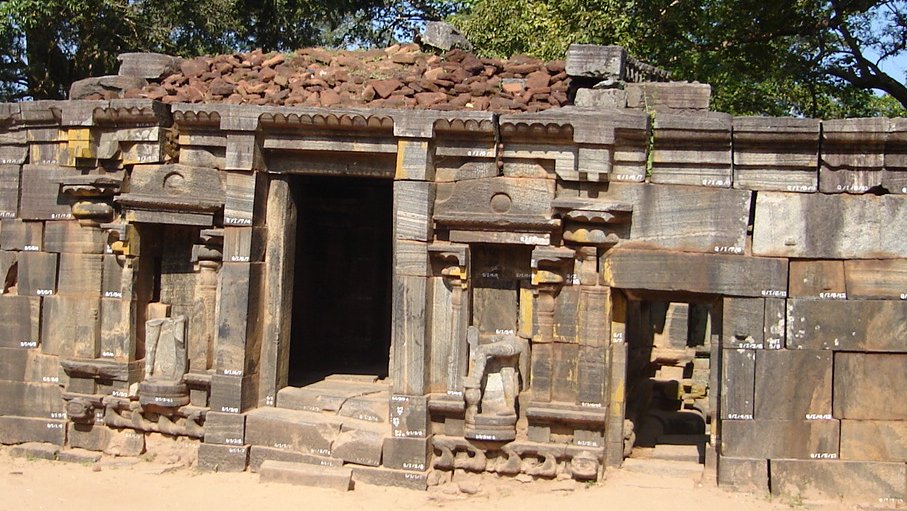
{"type": "Point", "coordinates": [669, 371]}
{"type": "Point", "coordinates": [342, 283]}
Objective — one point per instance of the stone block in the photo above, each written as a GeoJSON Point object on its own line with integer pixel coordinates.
{"type": "Point", "coordinates": [743, 323]}
{"type": "Point", "coordinates": [244, 244]}
{"type": "Point", "coordinates": [225, 428]}
{"type": "Point", "coordinates": [9, 189]}
{"type": "Point", "coordinates": [35, 450]}
{"type": "Point", "coordinates": [292, 430]}
{"type": "Point", "coordinates": [876, 278]}
{"type": "Point", "coordinates": [703, 273]}
{"type": "Point", "coordinates": [775, 329]}
{"type": "Point", "coordinates": [409, 416]}
{"type": "Point", "coordinates": [601, 98]}
{"type": "Point", "coordinates": [223, 458]}
{"type": "Point", "coordinates": [80, 274]}
{"type": "Point", "coordinates": [239, 318]}
{"type": "Point", "coordinates": [118, 328]}
{"type": "Point", "coordinates": [80, 456]}
{"type": "Point", "coordinates": [415, 160]}
{"type": "Point", "coordinates": [869, 386]}
{"type": "Point", "coordinates": [72, 237]}
{"type": "Point", "coordinates": [594, 61]}
{"type": "Point", "coordinates": [70, 326]}
{"type": "Point", "coordinates": [776, 154]}
{"type": "Point", "coordinates": [682, 217]}
{"type": "Point", "coordinates": [406, 453]}
{"type": "Point", "coordinates": [817, 279]}
{"type": "Point", "coordinates": [19, 235]}
{"type": "Point", "coordinates": [780, 394]}
{"type": "Point", "coordinates": [413, 205]}
{"type": "Point", "coordinates": [667, 96]}
{"type": "Point", "coordinates": [737, 383]}
{"type": "Point", "coordinates": [360, 445]}
{"type": "Point", "coordinates": [869, 440]}
{"type": "Point", "coordinates": [411, 258]}
{"type": "Point", "coordinates": [853, 154]}
{"type": "Point", "coordinates": [19, 430]}
{"type": "Point", "coordinates": [848, 481]}
{"type": "Point", "coordinates": [31, 399]}
{"type": "Point", "coordinates": [37, 274]}
{"type": "Point", "coordinates": [258, 454]}
{"type": "Point", "coordinates": [408, 334]}
{"type": "Point", "coordinates": [795, 439]}
{"type": "Point", "coordinates": [380, 476]}
{"type": "Point", "coordinates": [40, 194]}
{"type": "Point", "coordinates": [848, 325]}
{"type": "Point", "coordinates": [13, 364]}
{"type": "Point", "coordinates": [820, 226]}
{"type": "Point", "coordinates": [743, 474]}
{"type": "Point", "coordinates": [150, 66]}
{"type": "Point", "coordinates": [20, 321]}
{"type": "Point", "coordinates": [242, 204]}
{"type": "Point", "coordinates": [523, 204]}
{"type": "Point", "coordinates": [592, 375]}
{"type": "Point", "coordinates": [692, 149]}
{"type": "Point", "coordinates": [90, 437]}
{"type": "Point", "coordinates": [336, 478]}
{"type": "Point", "coordinates": [234, 394]}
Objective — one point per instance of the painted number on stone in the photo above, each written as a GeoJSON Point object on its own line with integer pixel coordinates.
{"type": "Point", "coordinates": [739, 416]}
{"type": "Point", "coordinates": [729, 250]}
{"type": "Point", "coordinates": [28, 344]}
{"type": "Point", "coordinates": [30, 248]}
{"type": "Point", "coordinates": [774, 293]}
{"type": "Point", "coordinates": [44, 292]}
{"type": "Point", "coordinates": [833, 296]}
{"type": "Point", "coordinates": [229, 409]}
{"type": "Point", "coordinates": [53, 425]}
{"type": "Point", "coordinates": [237, 221]}
{"type": "Point", "coordinates": [824, 456]}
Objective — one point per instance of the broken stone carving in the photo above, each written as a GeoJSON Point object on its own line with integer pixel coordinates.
{"type": "Point", "coordinates": [165, 363]}
{"type": "Point", "coordinates": [491, 391]}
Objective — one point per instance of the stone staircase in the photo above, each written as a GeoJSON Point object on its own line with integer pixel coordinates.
{"type": "Point", "coordinates": [678, 462]}
{"type": "Point", "coordinates": [323, 432]}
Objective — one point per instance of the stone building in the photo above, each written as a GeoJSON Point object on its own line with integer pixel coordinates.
{"type": "Point", "coordinates": [389, 294]}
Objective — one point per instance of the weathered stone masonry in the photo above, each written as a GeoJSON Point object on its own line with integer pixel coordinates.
{"type": "Point", "coordinates": [550, 276]}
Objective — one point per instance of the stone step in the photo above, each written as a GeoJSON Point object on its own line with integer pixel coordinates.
{"type": "Point", "coordinates": [304, 474]}
{"type": "Point", "coordinates": [686, 453]}
{"type": "Point", "coordinates": [664, 468]}
{"type": "Point", "coordinates": [317, 434]}
{"type": "Point", "coordinates": [258, 454]}
{"type": "Point", "coordinates": [292, 430]}
{"type": "Point", "coordinates": [363, 400]}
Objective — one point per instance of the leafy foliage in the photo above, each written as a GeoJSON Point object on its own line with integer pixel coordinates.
{"type": "Point", "coordinates": [45, 45]}
{"type": "Point", "coordinates": [779, 57]}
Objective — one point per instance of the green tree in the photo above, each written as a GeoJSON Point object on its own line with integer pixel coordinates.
{"type": "Point", "coordinates": [778, 57]}
{"type": "Point", "coordinates": [45, 45]}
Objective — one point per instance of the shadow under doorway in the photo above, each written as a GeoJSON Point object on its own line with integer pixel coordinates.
{"type": "Point", "coordinates": [343, 276]}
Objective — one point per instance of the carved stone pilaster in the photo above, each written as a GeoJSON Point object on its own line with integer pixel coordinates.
{"type": "Point", "coordinates": [451, 262]}
{"type": "Point", "coordinates": [549, 269]}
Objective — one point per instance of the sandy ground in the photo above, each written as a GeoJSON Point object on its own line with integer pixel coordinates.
{"type": "Point", "coordinates": [117, 484]}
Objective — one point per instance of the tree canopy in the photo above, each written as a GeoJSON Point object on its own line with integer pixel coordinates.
{"type": "Point", "coordinates": [45, 45]}
{"type": "Point", "coordinates": [778, 57]}
{"type": "Point", "coordinates": [819, 58]}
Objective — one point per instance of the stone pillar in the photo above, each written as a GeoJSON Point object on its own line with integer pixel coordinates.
{"type": "Point", "coordinates": [279, 270]}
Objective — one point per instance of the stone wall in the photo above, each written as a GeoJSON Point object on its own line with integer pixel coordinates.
{"type": "Point", "coordinates": [147, 251]}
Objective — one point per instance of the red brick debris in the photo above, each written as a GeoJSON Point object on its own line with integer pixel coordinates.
{"type": "Point", "coordinates": [396, 77]}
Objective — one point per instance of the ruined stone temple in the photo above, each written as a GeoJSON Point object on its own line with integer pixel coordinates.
{"type": "Point", "coordinates": [391, 267]}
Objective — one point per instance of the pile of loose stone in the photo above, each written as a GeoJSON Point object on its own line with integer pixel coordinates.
{"type": "Point", "coordinates": [395, 77]}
